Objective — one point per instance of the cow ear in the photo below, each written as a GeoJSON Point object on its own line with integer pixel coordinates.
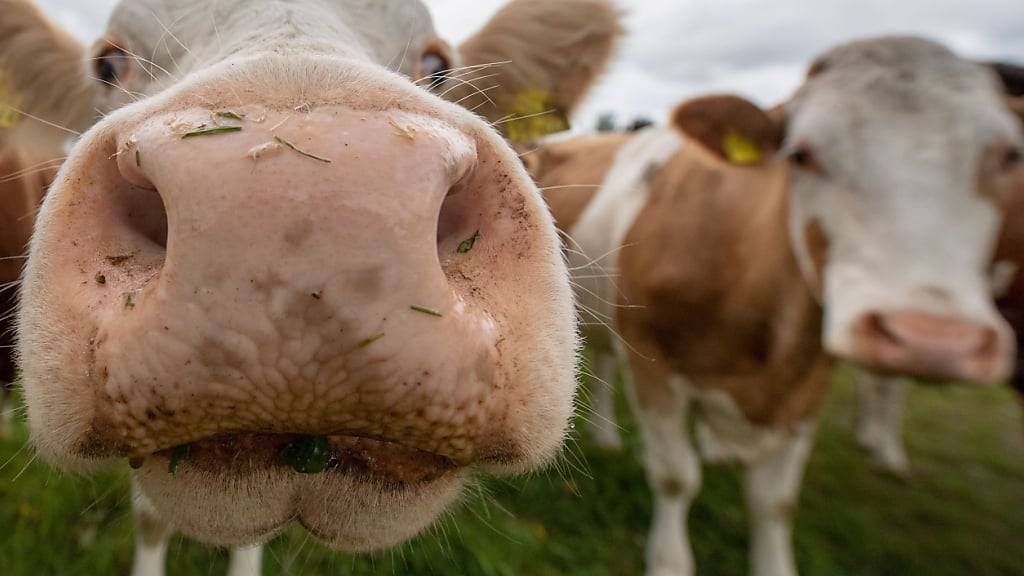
{"type": "Point", "coordinates": [539, 57]}
{"type": "Point", "coordinates": [44, 92]}
{"type": "Point", "coordinates": [732, 128]}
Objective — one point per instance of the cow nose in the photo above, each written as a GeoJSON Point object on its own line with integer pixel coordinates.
{"type": "Point", "coordinates": [932, 346]}
{"type": "Point", "coordinates": [315, 273]}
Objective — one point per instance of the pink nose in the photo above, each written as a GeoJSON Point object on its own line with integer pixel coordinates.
{"type": "Point", "coordinates": [924, 345]}
{"type": "Point", "coordinates": [325, 272]}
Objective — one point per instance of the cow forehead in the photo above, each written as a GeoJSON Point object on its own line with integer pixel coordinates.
{"type": "Point", "coordinates": [899, 92]}
{"type": "Point", "coordinates": [382, 30]}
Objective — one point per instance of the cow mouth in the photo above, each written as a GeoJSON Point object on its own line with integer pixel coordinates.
{"type": "Point", "coordinates": [385, 462]}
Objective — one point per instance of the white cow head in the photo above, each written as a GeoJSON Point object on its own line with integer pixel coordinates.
{"type": "Point", "coordinates": [898, 152]}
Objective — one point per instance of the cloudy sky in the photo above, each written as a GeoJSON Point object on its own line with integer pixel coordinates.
{"type": "Point", "coordinates": [678, 48]}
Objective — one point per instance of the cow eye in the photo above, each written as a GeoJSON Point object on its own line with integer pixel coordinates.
{"type": "Point", "coordinates": [1012, 158]}
{"type": "Point", "coordinates": [803, 158]}
{"type": "Point", "coordinates": [434, 66]}
{"type": "Point", "coordinates": [111, 65]}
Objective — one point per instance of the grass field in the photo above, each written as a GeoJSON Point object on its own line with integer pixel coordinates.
{"type": "Point", "coordinates": [962, 514]}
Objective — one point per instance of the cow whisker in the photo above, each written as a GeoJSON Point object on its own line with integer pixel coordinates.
{"type": "Point", "coordinates": [42, 120]}
{"type": "Point", "coordinates": [134, 96]}
{"type": "Point", "coordinates": [34, 169]}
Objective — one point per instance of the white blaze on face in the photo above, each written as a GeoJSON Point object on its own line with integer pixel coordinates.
{"type": "Point", "coordinates": [891, 139]}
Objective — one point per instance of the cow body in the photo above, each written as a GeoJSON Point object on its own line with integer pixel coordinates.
{"type": "Point", "coordinates": [738, 344]}
{"type": "Point", "coordinates": [727, 274]}
{"type": "Point", "coordinates": [273, 277]}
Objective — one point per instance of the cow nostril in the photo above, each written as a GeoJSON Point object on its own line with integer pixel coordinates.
{"type": "Point", "coordinates": [876, 326]}
{"type": "Point", "coordinates": [139, 206]}
{"type": "Point", "coordinates": [146, 216]}
{"type": "Point", "coordinates": [459, 221]}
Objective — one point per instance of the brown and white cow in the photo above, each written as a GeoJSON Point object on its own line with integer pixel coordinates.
{"type": "Point", "coordinates": [731, 264]}
{"type": "Point", "coordinates": [882, 399]}
{"type": "Point", "coordinates": [282, 276]}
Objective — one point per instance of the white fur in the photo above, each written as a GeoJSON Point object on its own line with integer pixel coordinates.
{"type": "Point", "coordinates": [603, 424]}
{"type": "Point", "coordinates": [772, 488]}
{"type": "Point", "coordinates": [674, 475]}
{"type": "Point", "coordinates": [880, 421]}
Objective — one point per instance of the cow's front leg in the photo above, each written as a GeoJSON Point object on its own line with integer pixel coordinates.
{"type": "Point", "coordinates": [772, 491]}
{"type": "Point", "coordinates": [880, 423]}
{"type": "Point", "coordinates": [604, 428]}
{"type": "Point", "coordinates": [246, 561]}
{"type": "Point", "coordinates": [672, 464]}
{"type": "Point", "coordinates": [152, 535]}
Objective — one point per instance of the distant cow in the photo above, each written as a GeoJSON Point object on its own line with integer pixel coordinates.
{"type": "Point", "coordinates": [733, 255]}
{"type": "Point", "coordinates": [282, 277]}
{"type": "Point", "coordinates": [882, 399]}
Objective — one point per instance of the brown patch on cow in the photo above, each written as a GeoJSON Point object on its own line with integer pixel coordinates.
{"type": "Point", "coordinates": [736, 313]}
{"type": "Point", "coordinates": [570, 172]}
{"type": "Point", "coordinates": [1016, 104]}
{"type": "Point", "coordinates": [1011, 250]}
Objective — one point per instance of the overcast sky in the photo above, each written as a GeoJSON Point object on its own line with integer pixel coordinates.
{"type": "Point", "coordinates": [678, 48]}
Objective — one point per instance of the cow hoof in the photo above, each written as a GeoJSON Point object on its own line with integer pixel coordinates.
{"type": "Point", "coordinates": [898, 470]}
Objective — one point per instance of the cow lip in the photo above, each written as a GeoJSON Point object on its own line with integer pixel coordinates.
{"type": "Point", "coordinates": [382, 460]}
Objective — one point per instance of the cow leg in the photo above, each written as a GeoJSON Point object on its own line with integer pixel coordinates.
{"type": "Point", "coordinates": [246, 561]}
{"type": "Point", "coordinates": [603, 425]}
{"type": "Point", "coordinates": [880, 424]}
{"type": "Point", "coordinates": [672, 465]}
{"type": "Point", "coordinates": [152, 535]}
{"type": "Point", "coordinates": [772, 487]}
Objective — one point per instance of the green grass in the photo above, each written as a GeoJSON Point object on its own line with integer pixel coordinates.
{"type": "Point", "coordinates": [962, 513]}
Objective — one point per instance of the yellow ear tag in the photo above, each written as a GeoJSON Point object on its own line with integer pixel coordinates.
{"type": "Point", "coordinates": [9, 102]}
{"type": "Point", "coordinates": [534, 114]}
{"type": "Point", "coordinates": [740, 150]}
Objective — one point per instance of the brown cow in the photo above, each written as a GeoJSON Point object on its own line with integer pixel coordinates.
{"type": "Point", "coordinates": [854, 229]}
{"type": "Point", "coordinates": [284, 278]}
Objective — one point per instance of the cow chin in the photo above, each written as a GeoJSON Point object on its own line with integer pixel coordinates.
{"type": "Point", "coordinates": [347, 509]}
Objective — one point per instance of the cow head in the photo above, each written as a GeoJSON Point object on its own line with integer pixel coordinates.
{"type": "Point", "coordinates": [288, 281]}
{"type": "Point", "coordinates": [897, 153]}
